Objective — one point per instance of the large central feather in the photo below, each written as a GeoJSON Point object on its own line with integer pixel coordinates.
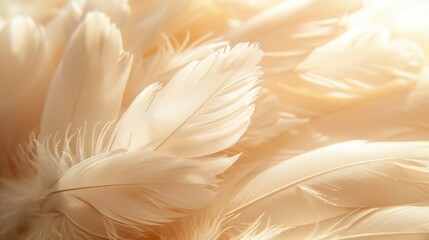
{"type": "Point", "coordinates": [204, 109]}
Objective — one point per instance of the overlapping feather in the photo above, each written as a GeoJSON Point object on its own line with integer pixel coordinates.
{"type": "Point", "coordinates": [125, 194]}
{"type": "Point", "coordinates": [154, 174]}
{"type": "Point", "coordinates": [302, 25]}
{"type": "Point", "coordinates": [359, 65]}
{"type": "Point", "coordinates": [162, 65]}
{"type": "Point", "coordinates": [344, 178]}
{"type": "Point", "coordinates": [24, 75]}
{"type": "Point", "coordinates": [205, 108]}
{"type": "Point", "coordinates": [88, 84]}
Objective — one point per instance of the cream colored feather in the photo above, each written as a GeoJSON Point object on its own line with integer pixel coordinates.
{"type": "Point", "coordinates": [184, 143]}
{"type": "Point", "coordinates": [150, 18]}
{"type": "Point", "coordinates": [88, 85]}
{"type": "Point", "coordinates": [268, 121]}
{"type": "Point", "coordinates": [162, 65]}
{"type": "Point", "coordinates": [361, 64]}
{"type": "Point", "coordinates": [24, 75]}
{"type": "Point", "coordinates": [396, 116]}
{"type": "Point", "coordinates": [392, 223]}
{"type": "Point", "coordinates": [342, 177]}
{"type": "Point", "coordinates": [255, 232]}
{"type": "Point", "coordinates": [204, 108]}
{"type": "Point", "coordinates": [290, 31]}
{"type": "Point", "coordinates": [125, 194]}
{"type": "Point", "coordinates": [62, 25]}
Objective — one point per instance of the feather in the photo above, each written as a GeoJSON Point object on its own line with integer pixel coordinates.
{"type": "Point", "coordinates": [40, 11]}
{"type": "Point", "coordinates": [342, 177]}
{"type": "Point", "coordinates": [88, 85]}
{"type": "Point", "coordinates": [24, 75]}
{"type": "Point", "coordinates": [399, 222]}
{"type": "Point", "coordinates": [290, 31]}
{"type": "Point", "coordinates": [210, 223]}
{"type": "Point", "coordinates": [118, 10]}
{"type": "Point", "coordinates": [361, 64]}
{"type": "Point", "coordinates": [397, 116]}
{"type": "Point", "coordinates": [254, 232]}
{"type": "Point", "coordinates": [150, 18]}
{"type": "Point", "coordinates": [268, 121]}
{"type": "Point", "coordinates": [125, 194]}
{"type": "Point", "coordinates": [60, 28]}
{"type": "Point", "coordinates": [207, 223]}
{"type": "Point", "coordinates": [17, 198]}
{"type": "Point", "coordinates": [162, 65]}
{"type": "Point", "coordinates": [205, 107]}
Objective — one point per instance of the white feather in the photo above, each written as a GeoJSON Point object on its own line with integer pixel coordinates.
{"type": "Point", "coordinates": [24, 78]}
{"type": "Point", "coordinates": [204, 109]}
{"type": "Point", "coordinates": [361, 64]}
{"type": "Point", "coordinates": [126, 194]}
{"type": "Point", "coordinates": [162, 65]}
{"type": "Point", "coordinates": [392, 223]}
{"type": "Point", "coordinates": [290, 31]}
{"type": "Point", "coordinates": [341, 178]}
{"type": "Point", "coordinates": [89, 82]}
{"type": "Point", "coordinates": [395, 116]}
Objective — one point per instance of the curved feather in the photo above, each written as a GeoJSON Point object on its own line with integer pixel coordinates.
{"type": "Point", "coordinates": [398, 222]}
{"type": "Point", "coordinates": [268, 121]}
{"type": "Point", "coordinates": [128, 193]}
{"type": "Point", "coordinates": [61, 26]}
{"type": "Point", "coordinates": [147, 20]}
{"type": "Point", "coordinates": [342, 177]}
{"type": "Point", "coordinates": [162, 65]}
{"type": "Point", "coordinates": [361, 64]}
{"type": "Point", "coordinates": [204, 109]}
{"type": "Point", "coordinates": [290, 31]}
{"type": "Point", "coordinates": [24, 79]}
{"type": "Point", "coordinates": [89, 82]}
{"type": "Point", "coordinates": [394, 116]}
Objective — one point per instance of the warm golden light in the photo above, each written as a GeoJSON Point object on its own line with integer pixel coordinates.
{"type": "Point", "coordinates": [405, 18]}
{"type": "Point", "coordinates": [214, 119]}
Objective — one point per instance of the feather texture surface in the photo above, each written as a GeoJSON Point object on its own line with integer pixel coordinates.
{"type": "Point", "coordinates": [162, 65]}
{"type": "Point", "coordinates": [303, 25]}
{"type": "Point", "coordinates": [24, 79]}
{"type": "Point", "coordinates": [88, 84]}
{"type": "Point", "coordinates": [396, 116]}
{"type": "Point", "coordinates": [358, 65]}
{"type": "Point", "coordinates": [343, 177]}
{"type": "Point", "coordinates": [109, 194]}
{"type": "Point", "coordinates": [203, 109]}
{"type": "Point", "coordinates": [397, 223]}
{"type": "Point", "coordinates": [132, 120]}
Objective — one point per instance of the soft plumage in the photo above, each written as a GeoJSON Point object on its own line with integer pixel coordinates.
{"type": "Point", "coordinates": [214, 119]}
